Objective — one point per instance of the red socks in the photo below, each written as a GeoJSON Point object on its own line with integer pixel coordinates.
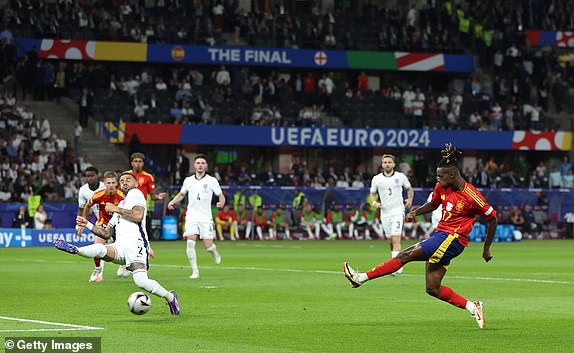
{"type": "Point", "coordinates": [385, 268]}
{"type": "Point", "coordinates": [97, 261]}
{"type": "Point", "coordinates": [448, 295]}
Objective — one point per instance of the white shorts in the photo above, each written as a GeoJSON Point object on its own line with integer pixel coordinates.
{"type": "Point", "coordinates": [128, 252]}
{"type": "Point", "coordinates": [205, 230]}
{"type": "Point", "coordinates": [393, 225]}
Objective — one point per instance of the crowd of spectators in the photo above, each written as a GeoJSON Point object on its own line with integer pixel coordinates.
{"type": "Point", "coordinates": [515, 97]}
{"type": "Point", "coordinates": [33, 160]}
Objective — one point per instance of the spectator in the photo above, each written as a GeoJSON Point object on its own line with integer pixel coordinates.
{"type": "Point", "coordinates": [21, 218]}
{"type": "Point", "coordinates": [40, 217]}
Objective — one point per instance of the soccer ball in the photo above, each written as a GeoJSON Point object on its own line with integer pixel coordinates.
{"type": "Point", "coordinates": [139, 303]}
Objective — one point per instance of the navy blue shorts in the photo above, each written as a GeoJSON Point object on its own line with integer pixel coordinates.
{"type": "Point", "coordinates": [441, 248]}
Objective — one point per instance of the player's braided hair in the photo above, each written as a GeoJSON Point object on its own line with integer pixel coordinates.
{"type": "Point", "coordinates": [450, 157]}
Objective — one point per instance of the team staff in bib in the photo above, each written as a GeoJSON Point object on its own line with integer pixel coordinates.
{"type": "Point", "coordinates": [199, 189]}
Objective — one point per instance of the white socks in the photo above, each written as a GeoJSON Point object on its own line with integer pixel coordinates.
{"type": "Point", "coordinates": [94, 250]}
{"type": "Point", "coordinates": [394, 254]}
{"type": "Point", "coordinates": [470, 307]}
{"type": "Point", "coordinates": [363, 277]}
{"type": "Point", "coordinates": [213, 250]}
{"type": "Point", "coordinates": [191, 255]}
{"type": "Point", "coordinates": [141, 280]}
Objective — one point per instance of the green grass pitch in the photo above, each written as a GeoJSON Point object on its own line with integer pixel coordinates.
{"type": "Point", "coordinates": [292, 297]}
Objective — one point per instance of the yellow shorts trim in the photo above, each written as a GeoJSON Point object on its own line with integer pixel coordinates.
{"type": "Point", "coordinates": [439, 253]}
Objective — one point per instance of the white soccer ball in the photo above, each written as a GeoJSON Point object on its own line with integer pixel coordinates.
{"type": "Point", "coordinates": [139, 303]}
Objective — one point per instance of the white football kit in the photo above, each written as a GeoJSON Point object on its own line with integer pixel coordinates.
{"type": "Point", "coordinates": [85, 194]}
{"type": "Point", "coordinates": [198, 218]}
{"type": "Point", "coordinates": [131, 242]}
{"type": "Point", "coordinates": [436, 215]}
{"type": "Point", "coordinates": [390, 190]}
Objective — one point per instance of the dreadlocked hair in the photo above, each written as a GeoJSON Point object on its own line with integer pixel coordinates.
{"type": "Point", "coordinates": [450, 157]}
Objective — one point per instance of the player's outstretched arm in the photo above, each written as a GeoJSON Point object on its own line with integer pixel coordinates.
{"type": "Point", "coordinates": [177, 198]}
{"type": "Point", "coordinates": [374, 202]}
{"type": "Point", "coordinates": [490, 231]}
{"type": "Point", "coordinates": [410, 197]}
{"type": "Point", "coordinates": [104, 233]}
{"type": "Point", "coordinates": [136, 214]}
{"type": "Point", "coordinates": [221, 202]}
{"type": "Point", "coordinates": [428, 207]}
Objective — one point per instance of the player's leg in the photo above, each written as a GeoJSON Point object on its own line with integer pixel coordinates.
{"type": "Point", "coordinates": [285, 228]}
{"type": "Point", "coordinates": [378, 228]}
{"type": "Point", "coordinates": [434, 275]}
{"type": "Point", "coordinates": [232, 230]}
{"type": "Point", "coordinates": [219, 229]}
{"type": "Point", "coordinates": [208, 236]}
{"type": "Point", "coordinates": [317, 231]}
{"type": "Point", "coordinates": [98, 273]}
{"type": "Point", "coordinates": [396, 248]}
{"type": "Point", "coordinates": [191, 239]}
{"type": "Point", "coordinates": [191, 233]}
{"type": "Point", "coordinates": [248, 230]}
{"type": "Point", "coordinates": [446, 247]}
{"type": "Point", "coordinates": [339, 228]}
{"type": "Point", "coordinates": [210, 247]}
{"type": "Point", "coordinates": [412, 253]}
{"type": "Point", "coordinates": [259, 232]}
{"type": "Point", "coordinates": [308, 230]}
{"type": "Point", "coordinates": [327, 230]}
{"type": "Point", "coordinates": [351, 229]}
{"type": "Point", "coordinates": [137, 262]}
{"type": "Point", "coordinates": [235, 235]}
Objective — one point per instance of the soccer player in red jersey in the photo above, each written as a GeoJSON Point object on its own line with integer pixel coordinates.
{"type": "Point", "coordinates": [145, 180]}
{"type": "Point", "coordinates": [111, 194]}
{"type": "Point", "coordinates": [461, 202]}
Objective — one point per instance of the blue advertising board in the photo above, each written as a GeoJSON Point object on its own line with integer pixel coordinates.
{"type": "Point", "coordinates": [16, 237]}
{"type": "Point", "coordinates": [341, 137]}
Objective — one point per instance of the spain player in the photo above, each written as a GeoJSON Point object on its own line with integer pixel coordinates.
{"type": "Point", "coordinates": [111, 194]}
{"type": "Point", "coordinates": [146, 183]}
{"type": "Point", "coordinates": [461, 202]}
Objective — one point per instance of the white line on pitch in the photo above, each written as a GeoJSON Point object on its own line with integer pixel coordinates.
{"type": "Point", "coordinates": [527, 280]}
{"type": "Point", "coordinates": [49, 329]}
{"type": "Point", "coordinates": [405, 275]}
{"type": "Point", "coordinates": [73, 327]}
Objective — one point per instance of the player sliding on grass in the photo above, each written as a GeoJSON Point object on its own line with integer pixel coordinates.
{"type": "Point", "coordinates": [131, 247]}
{"type": "Point", "coordinates": [461, 202]}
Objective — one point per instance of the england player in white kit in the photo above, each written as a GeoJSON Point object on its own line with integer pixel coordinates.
{"type": "Point", "coordinates": [92, 185]}
{"type": "Point", "coordinates": [131, 247]}
{"type": "Point", "coordinates": [199, 189]}
{"type": "Point", "coordinates": [389, 186]}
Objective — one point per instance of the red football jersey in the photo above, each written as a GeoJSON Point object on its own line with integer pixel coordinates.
{"type": "Point", "coordinates": [146, 183]}
{"type": "Point", "coordinates": [101, 198]}
{"type": "Point", "coordinates": [225, 216]}
{"type": "Point", "coordinates": [459, 209]}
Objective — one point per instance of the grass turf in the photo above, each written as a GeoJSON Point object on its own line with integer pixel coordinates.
{"type": "Point", "coordinates": [292, 297]}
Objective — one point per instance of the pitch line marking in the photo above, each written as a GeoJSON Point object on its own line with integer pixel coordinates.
{"type": "Point", "coordinates": [527, 280]}
{"type": "Point", "coordinates": [405, 275]}
{"type": "Point", "coordinates": [70, 327]}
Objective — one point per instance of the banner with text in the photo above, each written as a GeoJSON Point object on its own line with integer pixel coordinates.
{"type": "Point", "coordinates": [242, 55]}
{"type": "Point", "coordinates": [16, 237]}
{"type": "Point", "coordinates": [233, 135]}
